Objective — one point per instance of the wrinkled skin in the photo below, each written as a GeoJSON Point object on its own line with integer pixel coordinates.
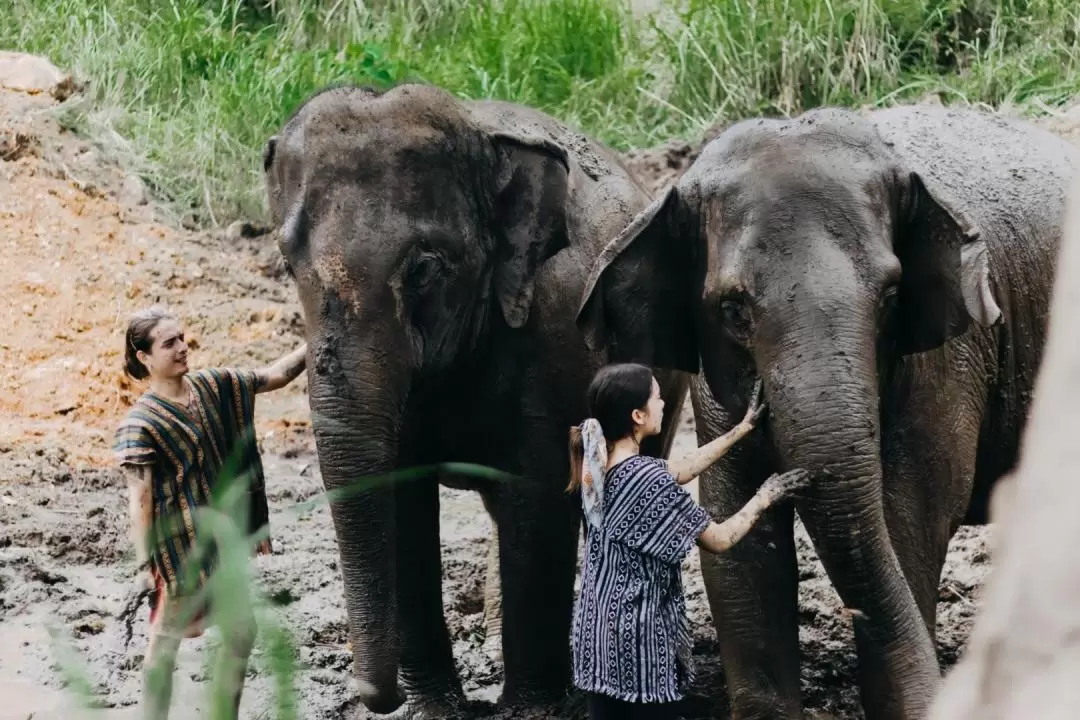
{"type": "Point", "coordinates": [887, 275]}
{"type": "Point", "coordinates": [439, 250]}
{"type": "Point", "coordinates": [1022, 660]}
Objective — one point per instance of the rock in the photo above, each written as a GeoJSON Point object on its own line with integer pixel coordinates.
{"type": "Point", "coordinates": [33, 74]}
{"type": "Point", "coordinates": [14, 146]}
{"type": "Point", "coordinates": [133, 192]}
{"type": "Point", "coordinates": [190, 221]}
{"type": "Point", "coordinates": [243, 229]}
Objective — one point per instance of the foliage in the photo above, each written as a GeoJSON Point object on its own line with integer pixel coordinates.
{"type": "Point", "coordinates": [230, 590]}
{"type": "Point", "coordinates": [186, 92]}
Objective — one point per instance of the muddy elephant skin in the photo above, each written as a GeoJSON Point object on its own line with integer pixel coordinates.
{"type": "Point", "coordinates": [1021, 660]}
{"type": "Point", "coordinates": [888, 275]}
{"type": "Point", "coordinates": [440, 249]}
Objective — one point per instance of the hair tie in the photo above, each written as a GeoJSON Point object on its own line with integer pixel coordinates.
{"type": "Point", "coordinates": [594, 447]}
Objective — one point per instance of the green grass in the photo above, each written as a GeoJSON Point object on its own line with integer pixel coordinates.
{"type": "Point", "coordinates": [185, 92]}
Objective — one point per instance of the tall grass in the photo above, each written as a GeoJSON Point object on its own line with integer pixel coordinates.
{"type": "Point", "coordinates": [187, 91]}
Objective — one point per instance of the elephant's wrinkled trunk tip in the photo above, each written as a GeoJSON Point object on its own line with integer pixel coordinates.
{"type": "Point", "coordinates": [380, 702]}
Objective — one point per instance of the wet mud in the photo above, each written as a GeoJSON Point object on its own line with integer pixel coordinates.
{"type": "Point", "coordinates": [65, 567]}
{"type": "Point", "coordinates": [84, 247]}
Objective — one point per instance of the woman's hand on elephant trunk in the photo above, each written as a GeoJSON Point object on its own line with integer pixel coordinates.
{"type": "Point", "coordinates": [754, 411]}
{"type": "Point", "coordinates": [782, 487]}
{"type": "Point", "coordinates": [720, 537]}
{"type": "Point", "coordinates": [687, 468]}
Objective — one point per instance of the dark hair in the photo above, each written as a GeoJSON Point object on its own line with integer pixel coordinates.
{"type": "Point", "coordinates": [615, 392]}
{"type": "Point", "coordinates": [138, 338]}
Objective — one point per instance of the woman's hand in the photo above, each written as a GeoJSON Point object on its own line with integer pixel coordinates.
{"type": "Point", "coordinates": [696, 462]}
{"type": "Point", "coordinates": [720, 537]}
{"type": "Point", "coordinates": [780, 487]}
{"type": "Point", "coordinates": [755, 409]}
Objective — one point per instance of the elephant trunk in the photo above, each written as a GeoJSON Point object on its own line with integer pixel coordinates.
{"type": "Point", "coordinates": [821, 384]}
{"type": "Point", "coordinates": [356, 416]}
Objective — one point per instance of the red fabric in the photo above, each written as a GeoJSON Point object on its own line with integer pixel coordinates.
{"type": "Point", "coordinates": [160, 596]}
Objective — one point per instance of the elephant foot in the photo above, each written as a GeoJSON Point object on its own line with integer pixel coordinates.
{"type": "Point", "coordinates": [442, 709]}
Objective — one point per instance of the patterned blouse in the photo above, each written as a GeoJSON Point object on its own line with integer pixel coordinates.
{"type": "Point", "coordinates": [630, 635]}
{"type": "Point", "coordinates": [188, 447]}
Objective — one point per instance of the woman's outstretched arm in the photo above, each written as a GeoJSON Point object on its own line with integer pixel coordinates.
{"type": "Point", "coordinates": [282, 372]}
{"type": "Point", "coordinates": [696, 462]}
{"type": "Point", "coordinates": [720, 537]}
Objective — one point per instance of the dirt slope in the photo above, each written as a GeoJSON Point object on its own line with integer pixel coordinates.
{"type": "Point", "coordinates": [80, 254]}
{"type": "Point", "coordinates": [80, 251]}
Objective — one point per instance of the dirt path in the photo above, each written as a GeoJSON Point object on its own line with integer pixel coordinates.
{"type": "Point", "coordinates": [81, 251]}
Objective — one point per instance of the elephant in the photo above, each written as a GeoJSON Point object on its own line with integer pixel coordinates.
{"type": "Point", "coordinates": [439, 248]}
{"type": "Point", "coordinates": [1020, 660]}
{"type": "Point", "coordinates": [887, 274]}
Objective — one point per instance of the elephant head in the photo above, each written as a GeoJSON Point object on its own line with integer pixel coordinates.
{"type": "Point", "coordinates": [413, 232]}
{"type": "Point", "coordinates": [815, 254]}
{"type": "Point", "coordinates": [808, 251]}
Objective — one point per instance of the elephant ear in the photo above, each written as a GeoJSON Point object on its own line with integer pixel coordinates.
{"type": "Point", "coordinates": [946, 272]}
{"type": "Point", "coordinates": [530, 215]}
{"type": "Point", "coordinates": [639, 301]}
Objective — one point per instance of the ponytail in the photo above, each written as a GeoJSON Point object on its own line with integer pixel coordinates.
{"type": "Point", "coordinates": [577, 459]}
{"type": "Point", "coordinates": [138, 338]}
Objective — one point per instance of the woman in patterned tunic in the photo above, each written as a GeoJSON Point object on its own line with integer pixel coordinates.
{"type": "Point", "coordinates": [173, 444]}
{"type": "Point", "coordinates": [631, 643]}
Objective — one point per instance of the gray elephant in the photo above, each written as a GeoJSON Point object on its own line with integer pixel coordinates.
{"type": "Point", "coordinates": [887, 274]}
{"type": "Point", "coordinates": [1021, 660]}
{"type": "Point", "coordinates": [440, 249]}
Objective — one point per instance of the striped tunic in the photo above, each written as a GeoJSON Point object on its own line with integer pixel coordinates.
{"type": "Point", "coordinates": [630, 635]}
{"type": "Point", "coordinates": [187, 448]}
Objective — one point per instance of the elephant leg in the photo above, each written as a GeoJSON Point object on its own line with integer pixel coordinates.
{"type": "Point", "coordinates": [928, 477]}
{"type": "Point", "coordinates": [752, 588]}
{"type": "Point", "coordinates": [492, 595]}
{"type": "Point", "coordinates": [427, 664]}
{"type": "Point", "coordinates": [537, 536]}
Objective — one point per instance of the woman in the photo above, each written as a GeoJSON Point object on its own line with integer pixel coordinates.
{"type": "Point", "coordinates": [173, 446]}
{"type": "Point", "coordinates": [631, 643]}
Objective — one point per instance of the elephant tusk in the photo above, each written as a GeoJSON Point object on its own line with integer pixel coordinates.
{"type": "Point", "coordinates": [853, 613]}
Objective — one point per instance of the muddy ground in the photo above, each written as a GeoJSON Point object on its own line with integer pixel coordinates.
{"type": "Point", "coordinates": [82, 247]}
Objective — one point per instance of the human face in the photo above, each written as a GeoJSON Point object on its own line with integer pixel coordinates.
{"type": "Point", "coordinates": [649, 419]}
{"type": "Point", "coordinates": [168, 356]}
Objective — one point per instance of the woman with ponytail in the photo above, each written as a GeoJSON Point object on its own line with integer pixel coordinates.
{"type": "Point", "coordinates": [631, 643]}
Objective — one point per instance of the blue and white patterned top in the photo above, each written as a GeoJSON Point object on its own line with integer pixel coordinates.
{"type": "Point", "coordinates": [631, 640]}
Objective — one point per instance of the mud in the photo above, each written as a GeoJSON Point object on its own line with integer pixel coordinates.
{"type": "Point", "coordinates": [82, 248]}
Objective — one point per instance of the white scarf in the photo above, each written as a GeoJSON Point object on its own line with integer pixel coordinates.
{"type": "Point", "coordinates": [593, 471]}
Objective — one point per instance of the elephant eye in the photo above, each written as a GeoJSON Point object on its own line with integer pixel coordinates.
{"type": "Point", "coordinates": [424, 269]}
{"type": "Point", "coordinates": [737, 319]}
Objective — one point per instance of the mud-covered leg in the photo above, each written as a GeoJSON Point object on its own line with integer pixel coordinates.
{"type": "Point", "coordinates": [538, 526]}
{"type": "Point", "coordinates": [428, 676]}
{"type": "Point", "coordinates": [238, 640]}
{"type": "Point", "coordinates": [492, 594]}
{"type": "Point", "coordinates": [753, 588]}
{"type": "Point", "coordinates": [158, 673]}
{"type": "Point", "coordinates": [929, 449]}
